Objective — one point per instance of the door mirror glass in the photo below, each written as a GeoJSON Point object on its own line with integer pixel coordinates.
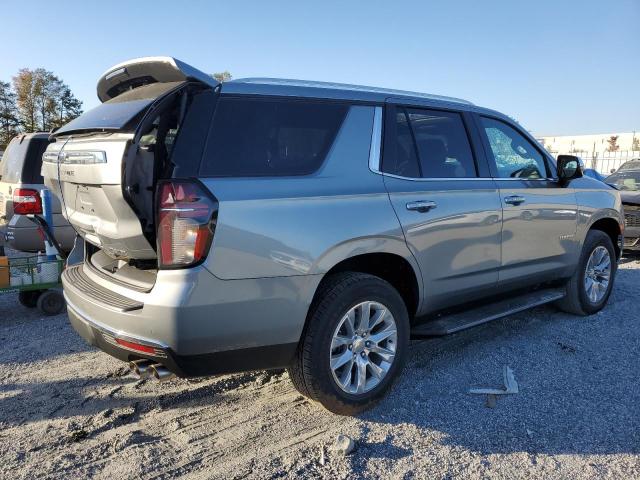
{"type": "Point", "coordinates": [569, 167]}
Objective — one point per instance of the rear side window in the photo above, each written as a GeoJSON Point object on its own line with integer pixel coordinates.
{"type": "Point", "coordinates": [429, 144]}
{"type": "Point", "coordinates": [22, 161]}
{"type": "Point", "coordinates": [268, 137]}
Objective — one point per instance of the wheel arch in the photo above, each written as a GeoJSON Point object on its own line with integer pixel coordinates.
{"type": "Point", "coordinates": [402, 273]}
{"type": "Point", "coordinates": [612, 228]}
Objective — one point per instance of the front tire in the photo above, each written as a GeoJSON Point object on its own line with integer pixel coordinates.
{"type": "Point", "coordinates": [589, 288]}
{"type": "Point", "coordinates": [355, 343]}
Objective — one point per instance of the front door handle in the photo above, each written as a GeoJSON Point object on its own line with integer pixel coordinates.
{"type": "Point", "coordinates": [514, 199]}
{"type": "Point", "coordinates": [422, 206]}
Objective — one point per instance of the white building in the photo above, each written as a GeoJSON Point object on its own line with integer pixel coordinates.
{"type": "Point", "coordinates": [600, 151]}
{"type": "Point", "coordinates": [593, 144]}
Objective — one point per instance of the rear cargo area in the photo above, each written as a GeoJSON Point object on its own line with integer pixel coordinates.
{"type": "Point", "coordinates": [105, 167]}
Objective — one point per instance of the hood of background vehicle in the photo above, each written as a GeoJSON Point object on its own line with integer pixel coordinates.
{"type": "Point", "coordinates": [146, 70]}
{"type": "Point", "coordinates": [630, 197]}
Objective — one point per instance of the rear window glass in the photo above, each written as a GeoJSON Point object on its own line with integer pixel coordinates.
{"type": "Point", "coordinates": [428, 144]}
{"type": "Point", "coordinates": [22, 161]}
{"type": "Point", "coordinates": [117, 113]}
{"type": "Point", "coordinates": [259, 137]}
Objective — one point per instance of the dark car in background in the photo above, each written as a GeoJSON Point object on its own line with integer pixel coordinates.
{"type": "Point", "coordinates": [627, 180]}
{"type": "Point", "coordinates": [20, 185]}
{"type": "Point", "coordinates": [630, 165]}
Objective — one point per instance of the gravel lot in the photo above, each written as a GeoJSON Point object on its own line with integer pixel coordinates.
{"type": "Point", "coordinates": [68, 411]}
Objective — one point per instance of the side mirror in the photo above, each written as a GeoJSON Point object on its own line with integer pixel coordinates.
{"type": "Point", "coordinates": [569, 167]}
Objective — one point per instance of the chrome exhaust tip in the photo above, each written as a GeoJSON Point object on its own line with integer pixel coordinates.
{"type": "Point", "coordinates": [142, 368]}
{"type": "Point", "coordinates": [161, 373]}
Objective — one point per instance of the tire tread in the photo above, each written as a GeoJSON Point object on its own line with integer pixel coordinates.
{"type": "Point", "coordinates": [303, 369]}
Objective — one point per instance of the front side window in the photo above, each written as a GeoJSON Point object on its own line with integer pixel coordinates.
{"type": "Point", "coordinates": [255, 137]}
{"type": "Point", "coordinates": [429, 144]}
{"type": "Point", "coordinates": [514, 155]}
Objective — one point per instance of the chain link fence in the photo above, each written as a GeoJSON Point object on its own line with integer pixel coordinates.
{"type": "Point", "coordinates": [604, 162]}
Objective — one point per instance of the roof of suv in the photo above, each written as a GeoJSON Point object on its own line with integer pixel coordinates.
{"type": "Point", "coordinates": [307, 88]}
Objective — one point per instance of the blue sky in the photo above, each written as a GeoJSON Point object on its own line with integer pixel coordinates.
{"type": "Point", "coordinates": [559, 67]}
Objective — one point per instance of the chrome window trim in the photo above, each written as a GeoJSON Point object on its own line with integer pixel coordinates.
{"type": "Point", "coordinates": [375, 159]}
{"type": "Point", "coordinates": [445, 179]}
{"type": "Point", "coordinates": [376, 141]}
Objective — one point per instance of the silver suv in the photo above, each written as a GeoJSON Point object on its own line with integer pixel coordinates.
{"type": "Point", "coordinates": [265, 223]}
{"type": "Point", "coordinates": [20, 185]}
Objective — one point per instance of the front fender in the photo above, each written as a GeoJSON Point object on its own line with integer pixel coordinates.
{"type": "Point", "coordinates": [595, 204]}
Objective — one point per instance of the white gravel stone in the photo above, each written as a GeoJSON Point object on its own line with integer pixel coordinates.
{"type": "Point", "coordinates": [579, 396]}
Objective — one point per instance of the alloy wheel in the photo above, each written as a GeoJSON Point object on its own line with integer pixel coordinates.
{"type": "Point", "coordinates": [363, 347]}
{"type": "Point", "coordinates": [597, 274]}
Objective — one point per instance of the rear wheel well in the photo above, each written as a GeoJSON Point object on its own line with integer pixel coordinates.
{"type": "Point", "coordinates": [388, 266]}
{"type": "Point", "coordinates": [612, 229]}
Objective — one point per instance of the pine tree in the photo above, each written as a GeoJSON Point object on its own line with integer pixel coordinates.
{"type": "Point", "coordinates": [9, 122]}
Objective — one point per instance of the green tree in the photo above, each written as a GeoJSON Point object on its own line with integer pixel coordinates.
{"type": "Point", "coordinates": [636, 144]}
{"type": "Point", "coordinates": [24, 84]}
{"type": "Point", "coordinates": [44, 101]}
{"type": "Point", "coordinates": [222, 76]}
{"type": "Point", "coordinates": [67, 107]}
{"type": "Point", "coordinates": [9, 122]}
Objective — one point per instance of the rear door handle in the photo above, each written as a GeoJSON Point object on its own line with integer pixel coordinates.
{"type": "Point", "coordinates": [514, 199]}
{"type": "Point", "coordinates": [422, 206]}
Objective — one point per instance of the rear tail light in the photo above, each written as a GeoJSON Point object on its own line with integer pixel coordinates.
{"type": "Point", "coordinates": [26, 201]}
{"type": "Point", "coordinates": [187, 214]}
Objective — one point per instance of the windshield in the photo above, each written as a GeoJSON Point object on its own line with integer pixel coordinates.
{"type": "Point", "coordinates": [627, 180]}
{"type": "Point", "coordinates": [632, 165]}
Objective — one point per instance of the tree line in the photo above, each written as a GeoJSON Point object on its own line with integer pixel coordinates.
{"type": "Point", "coordinates": [35, 101]}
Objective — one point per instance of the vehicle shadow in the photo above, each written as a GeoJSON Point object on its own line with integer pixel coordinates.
{"type": "Point", "coordinates": [578, 382]}
{"type": "Point", "coordinates": [28, 336]}
{"type": "Point", "coordinates": [90, 397]}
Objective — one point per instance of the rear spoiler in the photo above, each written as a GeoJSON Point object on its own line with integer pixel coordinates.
{"type": "Point", "coordinates": [143, 71]}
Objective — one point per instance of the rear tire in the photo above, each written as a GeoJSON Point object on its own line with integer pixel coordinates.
{"type": "Point", "coordinates": [373, 356]}
{"type": "Point", "coordinates": [580, 300]}
{"type": "Point", "coordinates": [29, 298]}
{"type": "Point", "coordinates": [51, 302]}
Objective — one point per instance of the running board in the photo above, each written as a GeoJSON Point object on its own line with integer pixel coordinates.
{"type": "Point", "coordinates": [470, 318]}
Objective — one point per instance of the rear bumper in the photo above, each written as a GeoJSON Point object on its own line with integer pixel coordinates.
{"type": "Point", "coordinates": [216, 363]}
{"type": "Point", "coordinates": [195, 323]}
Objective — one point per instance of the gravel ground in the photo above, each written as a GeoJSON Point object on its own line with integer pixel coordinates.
{"type": "Point", "coordinates": [67, 410]}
